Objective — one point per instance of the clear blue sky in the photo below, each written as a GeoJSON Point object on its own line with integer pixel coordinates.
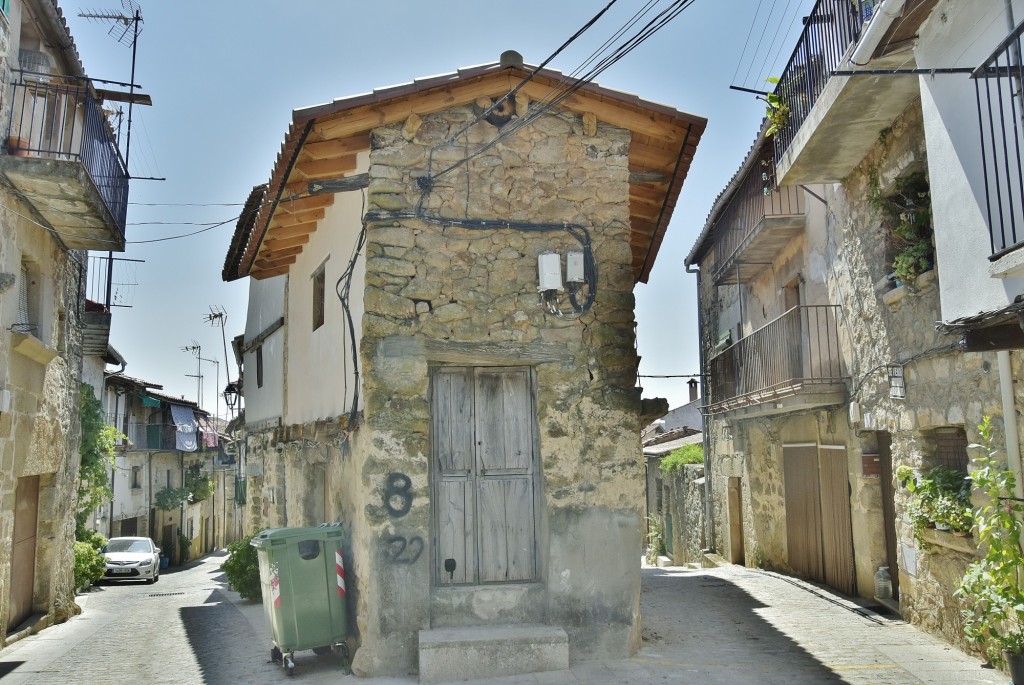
{"type": "Point", "coordinates": [225, 75]}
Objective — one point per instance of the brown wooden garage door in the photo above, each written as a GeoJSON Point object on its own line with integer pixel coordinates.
{"type": "Point", "coordinates": [819, 534]}
{"type": "Point", "coordinates": [23, 552]}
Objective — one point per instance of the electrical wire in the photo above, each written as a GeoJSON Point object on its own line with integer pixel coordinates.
{"type": "Point", "coordinates": [577, 231]}
{"type": "Point", "coordinates": [949, 347]}
{"type": "Point", "coordinates": [771, 60]}
{"type": "Point", "coordinates": [555, 98]}
{"type": "Point", "coordinates": [343, 289]}
{"type": "Point", "coordinates": [771, 11]}
{"type": "Point", "coordinates": [183, 235]}
{"type": "Point", "coordinates": [746, 43]}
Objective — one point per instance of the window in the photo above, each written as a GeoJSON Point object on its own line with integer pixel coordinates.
{"type": "Point", "coordinates": [5, 7]}
{"type": "Point", "coordinates": [259, 366]}
{"type": "Point", "coordinates": [136, 477]}
{"type": "Point", "coordinates": [24, 324]}
{"type": "Point", "coordinates": [949, 448]}
{"type": "Point", "coordinates": [484, 467]}
{"type": "Point", "coordinates": [319, 281]}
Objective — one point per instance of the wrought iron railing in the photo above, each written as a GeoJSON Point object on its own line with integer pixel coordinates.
{"type": "Point", "coordinates": [153, 435]}
{"type": "Point", "coordinates": [1000, 97]}
{"type": "Point", "coordinates": [53, 119]}
{"type": "Point", "coordinates": [798, 349]}
{"type": "Point", "coordinates": [754, 200]}
{"type": "Point", "coordinates": [830, 29]}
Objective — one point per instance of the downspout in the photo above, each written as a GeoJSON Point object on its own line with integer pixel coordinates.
{"type": "Point", "coordinates": [709, 506]}
{"type": "Point", "coordinates": [181, 511]}
{"type": "Point", "coordinates": [1010, 419]}
{"type": "Point", "coordinates": [881, 19]}
{"type": "Point", "coordinates": [149, 482]}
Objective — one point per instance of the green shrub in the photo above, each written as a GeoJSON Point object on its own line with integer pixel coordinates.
{"type": "Point", "coordinates": [89, 564]}
{"type": "Point", "coordinates": [97, 540]}
{"type": "Point", "coordinates": [655, 540]}
{"type": "Point", "coordinates": [184, 548]}
{"type": "Point", "coordinates": [243, 570]}
{"type": "Point", "coordinates": [677, 459]}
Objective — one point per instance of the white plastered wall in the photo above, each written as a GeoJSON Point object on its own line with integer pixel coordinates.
{"type": "Point", "coordinates": [961, 33]}
{"type": "Point", "coordinates": [266, 305]}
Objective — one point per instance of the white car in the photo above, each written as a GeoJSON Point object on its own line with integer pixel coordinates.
{"type": "Point", "coordinates": [132, 559]}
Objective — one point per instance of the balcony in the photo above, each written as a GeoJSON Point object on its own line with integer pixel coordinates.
{"type": "Point", "coordinates": [1000, 100]}
{"type": "Point", "coordinates": [755, 226]}
{"type": "Point", "coordinates": [834, 120]}
{"type": "Point", "coordinates": [790, 364]}
{"type": "Point", "coordinates": [60, 155]}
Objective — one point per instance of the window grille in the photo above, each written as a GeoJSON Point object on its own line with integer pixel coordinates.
{"type": "Point", "coordinates": [951, 450]}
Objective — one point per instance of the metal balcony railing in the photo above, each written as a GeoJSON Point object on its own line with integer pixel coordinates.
{"type": "Point", "coordinates": [830, 29]}
{"type": "Point", "coordinates": [52, 119]}
{"type": "Point", "coordinates": [753, 202]}
{"type": "Point", "coordinates": [1000, 98]}
{"type": "Point", "coordinates": [783, 357]}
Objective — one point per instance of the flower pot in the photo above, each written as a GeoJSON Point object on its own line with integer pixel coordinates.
{"type": "Point", "coordinates": [1015, 664]}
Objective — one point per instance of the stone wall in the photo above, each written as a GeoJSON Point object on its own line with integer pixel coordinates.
{"type": "Point", "coordinates": [447, 294]}
{"type": "Point", "coordinates": [687, 507]}
{"type": "Point", "coordinates": [39, 434]}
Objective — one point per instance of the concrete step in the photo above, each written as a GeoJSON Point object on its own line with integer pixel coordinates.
{"type": "Point", "coordinates": [448, 654]}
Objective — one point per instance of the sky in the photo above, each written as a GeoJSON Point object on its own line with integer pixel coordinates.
{"type": "Point", "coordinates": [225, 75]}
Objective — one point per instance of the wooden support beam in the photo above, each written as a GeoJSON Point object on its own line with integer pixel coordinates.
{"type": "Point", "coordinates": [304, 204]}
{"type": "Point", "coordinates": [338, 147]}
{"type": "Point", "coordinates": [339, 185]}
{"type": "Point", "coordinates": [658, 177]}
{"type": "Point", "coordinates": [326, 168]}
{"type": "Point", "coordinates": [260, 274]}
{"type": "Point", "coordinates": [274, 243]}
{"type": "Point", "coordinates": [293, 231]}
{"type": "Point", "coordinates": [281, 220]}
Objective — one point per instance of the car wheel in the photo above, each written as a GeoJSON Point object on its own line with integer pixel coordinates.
{"type": "Point", "coordinates": [150, 581]}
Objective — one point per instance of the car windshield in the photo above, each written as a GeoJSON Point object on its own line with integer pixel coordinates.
{"type": "Point", "coordinates": [121, 545]}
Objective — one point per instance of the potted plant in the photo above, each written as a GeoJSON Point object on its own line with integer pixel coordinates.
{"type": "Point", "coordinates": [991, 590]}
{"type": "Point", "coordinates": [939, 498]}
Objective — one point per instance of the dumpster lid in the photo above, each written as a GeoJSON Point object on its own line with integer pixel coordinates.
{"type": "Point", "coordinates": [283, 536]}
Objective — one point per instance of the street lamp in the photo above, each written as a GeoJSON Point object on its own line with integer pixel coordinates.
{"type": "Point", "coordinates": [231, 396]}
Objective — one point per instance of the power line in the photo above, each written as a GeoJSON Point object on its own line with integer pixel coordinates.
{"type": "Point", "coordinates": [184, 235]}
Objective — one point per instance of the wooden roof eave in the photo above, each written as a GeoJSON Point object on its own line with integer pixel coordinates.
{"type": "Point", "coordinates": [356, 117]}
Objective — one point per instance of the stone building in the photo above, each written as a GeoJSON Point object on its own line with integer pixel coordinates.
{"type": "Point", "coordinates": [835, 354]}
{"type": "Point", "coordinates": [417, 368]}
{"type": "Point", "coordinates": [169, 443]}
{"type": "Point", "coordinates": [64, 191]}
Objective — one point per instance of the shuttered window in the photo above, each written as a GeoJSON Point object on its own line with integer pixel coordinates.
{"type": "Point", "coordinates": [24, 323]}
{"type": "Point", "coordinates": [484, 461]}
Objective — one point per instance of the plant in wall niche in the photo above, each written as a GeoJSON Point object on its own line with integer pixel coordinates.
{"type": "Point", "coordinates": [990, 590]}
{"type": "Point", "coordinates": [907, 213]}
{"type": "Point", "coordinates": [940, 498]}
{"type": "Point", "coordinates": [776, 109]}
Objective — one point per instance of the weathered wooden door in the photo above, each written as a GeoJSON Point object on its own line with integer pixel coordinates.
{"type": "Point", "coordinates": [819, 534]}
{"type": "Point", "coordinates": [837, 530]}
{"type": "Point", "coordinates": [735, 515]}
{"type": "Point", "coordinates": [484, 466]}
{"type": "Point", "coordinates": [23, 551]}
{"type": "Point", "coordinates": [803, 509]}
{"type": "Point", "coordinates": [888, 508]}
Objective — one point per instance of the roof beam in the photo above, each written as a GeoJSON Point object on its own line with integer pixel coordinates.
{"type": "Point", "coordinates": [282, 220]}
{"type": "Point", "coordinates": [326, 168]}
{"type": "Point", "coordinates": [291, 231]}
{"type": "Point", "coordinates": [338, 147]}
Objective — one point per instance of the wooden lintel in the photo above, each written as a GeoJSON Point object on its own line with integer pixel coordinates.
{"type": "Point", "coordinates": [1008, 336]}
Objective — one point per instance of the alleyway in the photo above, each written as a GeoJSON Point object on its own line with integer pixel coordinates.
{"type": "Point", "coordinates": [713, 626]}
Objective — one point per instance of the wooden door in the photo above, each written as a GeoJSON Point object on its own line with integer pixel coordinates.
{"type": "Point", "coordinates": [484, 470]}
{"type": "Point", "coordinates": [735, 513]}
{"type": "Point", "coordinates": [803, 509]}
{"type": "Point", "coordinates": [23, 551]}
{"type": "Point", "coordinates": [837, 531]}
{"type": "Point", "coordinates": [888, 508]}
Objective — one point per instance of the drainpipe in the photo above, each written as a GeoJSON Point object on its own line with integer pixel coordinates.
{"type": "Point", "coordinates": [1010, 419]}
{"type": "Point", "coordinates": [871, 35]}
{"type": "Point", "coordinates": [709, 506]}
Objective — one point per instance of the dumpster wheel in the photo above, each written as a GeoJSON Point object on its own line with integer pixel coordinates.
{"type": "Point", "coordinates": [289, 664]}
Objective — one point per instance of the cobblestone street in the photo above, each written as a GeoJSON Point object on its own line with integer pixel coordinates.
{"type": "Point", "coordinates": [711, 626]}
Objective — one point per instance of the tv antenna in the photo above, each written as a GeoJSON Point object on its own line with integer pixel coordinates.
{"type": "Point", "coordinates": [125, 30]}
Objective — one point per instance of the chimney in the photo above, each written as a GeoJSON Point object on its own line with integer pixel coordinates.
{"type": "Point", "coordinates": [693, 389]}
{"type": "Point", "coordinates": [511, 58]}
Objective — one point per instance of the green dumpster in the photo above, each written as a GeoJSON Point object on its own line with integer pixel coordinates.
{"type": "Point", "coordinates": [302, 578]}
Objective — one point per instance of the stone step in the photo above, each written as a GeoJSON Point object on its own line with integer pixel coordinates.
{"type": "Point", "coordinates": [448, 654]}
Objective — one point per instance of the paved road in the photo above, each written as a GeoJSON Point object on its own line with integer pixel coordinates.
{"type": "Point", "coordinates": [720, 626]}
